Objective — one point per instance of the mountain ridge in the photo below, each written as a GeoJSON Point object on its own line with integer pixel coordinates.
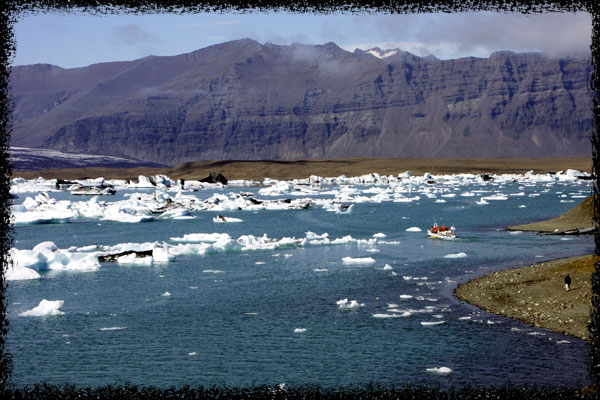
{"type": "Point", "coordinates": [244, 100]}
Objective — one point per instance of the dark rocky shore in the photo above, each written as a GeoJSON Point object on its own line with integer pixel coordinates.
{"type": "Point", "coordinates": [536, 294]}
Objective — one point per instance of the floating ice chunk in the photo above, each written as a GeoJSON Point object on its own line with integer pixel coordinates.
{"type": "Point", "coordinates": [344, 304]}
{"type": "Point", "coordinates": [313, 236]}
{"type": "Point", "coordinates": [365, 260]}
{"type": "Point", "coordinates": [431, 323]}
{"type": "Point", "coordinates": [482, 202]}
{"type": "Point", "coordinates": [114, 328]}
{"type": "Point", "coordinates": [456, 255]}
{"type": "Point", "coordinates": [220, 219]}
{"type": "Point", "coordinates": [387, 267]}
{"type": "Point", "coordinates": [46, 307]}
{"type": "Point", "coordinates": [193, 353]}
{"type": "Point", "coordinates": [160, 254]}
{"type": "Point", "coordinates": [406, 296]}
{"type": "Point", "coordinates": [47, 256]}
{"type": "Point", "coordinates": [562, 342]}
{"type": "Point", "coordinates": [413, 229]}
{"type": "Point", "coordinates": [536, 333]}
{"type": "Point", "coordinates": [467, 318]}
{"type": "Point", "coordinates": [16, 272]}
{"type": "Point", "coordinates": [387, 316]}
{"type": "Point", "coordinates": [299, 330]}
{"type": "Point", "coordinates": [134, 259]}
{"type": "Point", "coordinates": [379, 235]}
{"type": "Point", "coordinates": [203, 237]}
{"type": "Point", "coordinates": [166, 294]}
{"type": "Point", "coordinates": [440, 370]}
{"type": "Point", "coordinates": [440, 201]}
{"type": "Point", "coordinates": [320, 270]}
{"type": "Point", "coordinates": [213, 271]}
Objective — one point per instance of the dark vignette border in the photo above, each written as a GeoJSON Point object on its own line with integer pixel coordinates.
{"type": "Point", "coordinates": [12, 10]}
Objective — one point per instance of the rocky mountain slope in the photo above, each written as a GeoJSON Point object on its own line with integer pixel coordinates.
{"type": "Point", "coordinates": [247, 101]}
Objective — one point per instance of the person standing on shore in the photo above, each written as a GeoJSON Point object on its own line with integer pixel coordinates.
{"type": "Point", "coordinates": [567, 282]}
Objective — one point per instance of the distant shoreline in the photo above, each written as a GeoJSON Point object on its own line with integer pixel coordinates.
{"type": "Point", "coordinates": [299, 169]}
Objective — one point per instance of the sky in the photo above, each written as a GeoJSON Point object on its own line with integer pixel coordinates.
{"type": "Point", "coordinates": [75, 39]}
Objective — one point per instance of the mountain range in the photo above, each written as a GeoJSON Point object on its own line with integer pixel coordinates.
{"type": "Point", "coordinates": [242, 100]}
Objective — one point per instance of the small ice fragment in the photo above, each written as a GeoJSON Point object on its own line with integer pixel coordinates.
{"type": "Point", "coordinates": [413, 229]}
{"type": "Point", "coordinates": [320, 270]}
{"type": "Point", "coordinates": [430, 323]}
{"type": "Point", "coordinates": [344, 304]}
{"type": "Point", "coordinates": [456, 255]}
{"type": "Point", "coordinates": [440, 370]}
{"type": "Point", "coordinates": [299, 330]}
{"type": "Point", "coordinates": [259, 263]}
{"type": "Point", "coordinates": [193, 353]}
{"type": "Point", "coordinates": [386, 316]}
{"type": "Point", "coordinates": [406, 296]}
{"type": "Point", "coordinates": [114, 328]}
{"type": "Point", "coordinates": [166, 294]}
{"type": "Point", "coordinates": [379, 235]}
{"type": "Point", "coordinates": [562, 342]}
{"type": "Point", "coordinates": [536, 333]}
{"type": "Point", "coordinates": [387, 267]}
{"type": "Point", "coordinates": [464, 318]}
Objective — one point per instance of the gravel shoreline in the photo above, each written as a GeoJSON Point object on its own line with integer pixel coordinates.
{"type": "Point", "coordinates": [536, 294]}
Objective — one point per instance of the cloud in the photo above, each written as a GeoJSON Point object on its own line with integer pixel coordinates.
{"type": "Point", "coordinates": [132, 35]}
{"type": "Point", "coordinates": [479, 34]}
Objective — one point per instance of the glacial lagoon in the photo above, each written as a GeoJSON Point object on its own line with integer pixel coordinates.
{"type": "Point", "coordinates": [316, 281]}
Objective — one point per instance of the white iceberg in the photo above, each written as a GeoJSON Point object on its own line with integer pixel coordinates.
{"type": "Point", "coordinates": [365, 260]}
{"type": "Point", "coordinates": [46, 307]}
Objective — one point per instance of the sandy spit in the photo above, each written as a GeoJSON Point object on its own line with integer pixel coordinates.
{"type": "Point", "coordinates": [536, 294]}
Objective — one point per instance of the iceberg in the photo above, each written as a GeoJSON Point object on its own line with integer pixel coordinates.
{"type": "Point", "coordinates": [365, 260]}
{"type": "Point", "coordinates": [45, 308]}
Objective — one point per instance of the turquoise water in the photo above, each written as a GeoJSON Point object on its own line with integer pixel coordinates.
{"type": "Point", "coordinates": [237, 327]}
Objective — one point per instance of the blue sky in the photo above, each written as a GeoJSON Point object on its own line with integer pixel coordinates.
{"type": "Point", "coordinates": [76, 39]}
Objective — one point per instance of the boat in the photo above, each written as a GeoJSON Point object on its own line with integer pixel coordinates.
{"type": "Point", "coordinates": [441, 232]}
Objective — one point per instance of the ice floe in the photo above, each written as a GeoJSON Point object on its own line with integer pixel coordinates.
{"type": "Point", "coordinates": [440, 370]}
{"type": "Point", "coordinates": [456, 255]}
{"type": "Point", "coordinates": [431, 323]}
{"type": "Point", "coordinates": [45, 308]}
{"type": "Point", "coordinates": [344, 304]}
{"type": "Point", "coordinates": [413, 229]}
{"type": "Point", "coordinates": [46, 256]}
{"type": "Point", "coordinates": [299, 330]}
{"type": "Point", "coordinates": [221, 219]}
{"type": "Point", "coordinates": [365, 260]}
